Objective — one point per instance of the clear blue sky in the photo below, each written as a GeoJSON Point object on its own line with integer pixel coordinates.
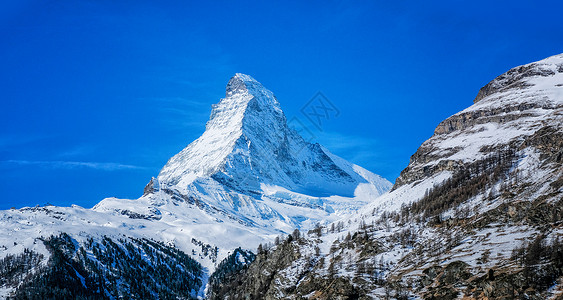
{"type": "Point", "coordinates": [97, 95]}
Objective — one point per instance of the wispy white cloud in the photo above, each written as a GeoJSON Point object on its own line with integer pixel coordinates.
{"type": "Point", "coordinates": [104, 166]}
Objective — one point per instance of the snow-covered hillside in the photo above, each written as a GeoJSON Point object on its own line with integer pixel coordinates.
{"type": "Point", "coordinates": [511, 109]}
{"type": "Point", "coordinates": [477, 213]}
{"type": "Point", "coordinates": [510, 143]}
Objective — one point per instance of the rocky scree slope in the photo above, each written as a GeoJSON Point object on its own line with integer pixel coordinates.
{"type": "Point", "coordinates": [477, 214]}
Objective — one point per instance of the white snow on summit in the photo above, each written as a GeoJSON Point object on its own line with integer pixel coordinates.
{"type": "Point", "coordinates": [247, 142]}
{"type": "Point", "coordinates": [249, 177]}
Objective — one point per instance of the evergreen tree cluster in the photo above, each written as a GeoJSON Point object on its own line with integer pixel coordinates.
{"type": "Point", "coordinates": [230, 268]}
{"type": "Point", "coordinates": [14, 268]}
{"type": "Point", "coordinates": [124, 269]}
{"type": "Point", "coordinates": [463, 185]}
{"type": "Point", "coordinates": [542, 262]}
{"type": "Point", "coordinates": [62, 278]}
{"type": "Point", "coordinates": [206, 250]}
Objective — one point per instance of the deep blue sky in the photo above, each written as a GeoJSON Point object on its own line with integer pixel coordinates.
{"type": "Point", "coordinates": [97, 95]}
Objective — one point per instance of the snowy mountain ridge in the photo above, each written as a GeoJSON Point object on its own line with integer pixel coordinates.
{"type": "Point", "coordinates": [248, 179]}
{"type": "Point", "coordinates": [250, 169]}
{"type": "Point", "coordinates": [247, 142]}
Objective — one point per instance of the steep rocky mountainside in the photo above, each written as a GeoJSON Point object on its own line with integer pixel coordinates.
{"type": "Point", "coordinates": [510, 109]}
{"type": "Point", "coordinates": [477, 214]}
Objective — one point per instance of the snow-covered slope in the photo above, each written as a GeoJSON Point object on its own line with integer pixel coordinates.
{"type": "Point", "coordinates": [519, 114]}
{"type": "Point", "coordinates": [513, 106]}
{"type": "Point", "coordinates": [497, 205]}
{"type": "Point", "coordinates": [475, 215]}
{"type": "Point", "coordinates": [507, 113]}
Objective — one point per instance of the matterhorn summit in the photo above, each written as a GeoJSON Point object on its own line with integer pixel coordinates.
{"type": "Point", "coordinates": [247, 143]}
{"type": "Point", "coordinates": [249, 113]}
{"type": "Point", "coordinates": [250, 176]}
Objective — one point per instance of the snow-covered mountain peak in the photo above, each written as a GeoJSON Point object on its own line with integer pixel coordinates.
{"type": "Point", "coordinates": [247, 107]}
{"type": "Point", "coordinates": [526, 76]}
{"type": "Point", "coordinates": [247, 143]}
{"type": "Point", "coordinates": [243, 93]}
{"type": "Point", "coordinates": [249, 177]}
{"type": "Point", "coordinates": [241, 83]}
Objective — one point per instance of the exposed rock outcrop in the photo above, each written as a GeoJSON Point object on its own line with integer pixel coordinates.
{"type": "Point", "coordinates": [520, 102]}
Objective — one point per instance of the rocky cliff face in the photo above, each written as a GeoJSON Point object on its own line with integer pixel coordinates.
{"type": "Point", "coordinates": [509, 109]}
{"type": "Point", "coordinates": [477, 214]}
